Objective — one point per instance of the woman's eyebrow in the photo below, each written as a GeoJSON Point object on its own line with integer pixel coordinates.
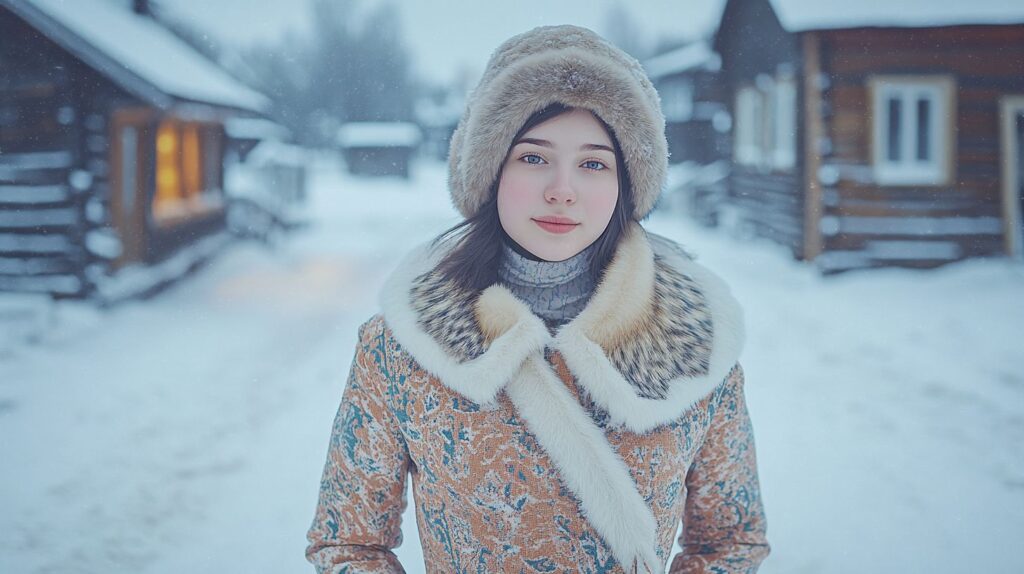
{"type": "Point", "coordinates": [535, 141]}
{"type": "Point", "coordinates": [546, 143]}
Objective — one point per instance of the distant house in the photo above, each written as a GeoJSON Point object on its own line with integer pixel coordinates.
{"type": "Point", "coordinates": [696, 126]}
{"type": "Point", "coordinates": [870, 134]}
{"type": "Point", "coordinates": [111, 147]}
{"type": "Point", "coordinates": [264, 178]}
{"type": "Point", "coordinates": [379, 148]}
{"type": "Point", "coordinates": [437, 116]}
{"type": "Point", "coordinates": [696, 120]}
{"type": "Point", "coordinates": [245, 133]}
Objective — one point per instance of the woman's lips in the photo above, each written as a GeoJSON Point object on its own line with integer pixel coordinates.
{"type": "Point", "coordinates": [555, 227]}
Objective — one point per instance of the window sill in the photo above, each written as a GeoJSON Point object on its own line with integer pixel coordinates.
{"type": "Point", "coordinates": [186, 211]}
{"type": "Point", "coordinates": [909, 179]}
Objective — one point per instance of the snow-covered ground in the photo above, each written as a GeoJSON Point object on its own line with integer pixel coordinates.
{"type": "Point", "coordinates": [187, 433]}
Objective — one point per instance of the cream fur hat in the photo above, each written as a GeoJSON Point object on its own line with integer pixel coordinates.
{"type": "Point", "coordinates": [572, 66]}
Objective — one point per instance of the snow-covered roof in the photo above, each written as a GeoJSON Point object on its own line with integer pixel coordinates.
{"type": "Point", "coordinates": [432, 114]}
{"type": "Point", "coordinates": [688, 57]}
{"type": "Point", "coordinates": [379, 134]}
{"type": "Point", "coordinates": [138, 54]}
{"type": "Point", "coordinates": [255, 129]}
{"type": "Point", "coordinates": [279, 153]}
{"type": "Point", "coordinates": [802, 15]}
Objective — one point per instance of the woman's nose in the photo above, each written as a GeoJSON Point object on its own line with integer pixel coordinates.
{"type": "Point", "coordinates": [560, 189]}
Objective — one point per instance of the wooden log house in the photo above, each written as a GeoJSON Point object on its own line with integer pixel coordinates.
{"type": "Point", "coordinates": [696, 128]}
{"type": "Point", "coordinates": [870, 134]}
{"type": "Point", "coordinates": [696, 121]}
{"type": "Point", "coordinates": [111, 144]}
{"type": "Point", "coordinates": [379, 148]}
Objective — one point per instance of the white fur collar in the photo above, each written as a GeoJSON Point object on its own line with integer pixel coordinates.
{"type": "Point", "coordinates": [619, 308]}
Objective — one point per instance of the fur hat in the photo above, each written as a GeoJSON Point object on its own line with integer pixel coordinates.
{"type": "Point", "coordinates": [568, 65]}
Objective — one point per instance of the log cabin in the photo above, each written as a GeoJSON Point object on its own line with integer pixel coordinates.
{"type": "Point", "coordinates": [695, 118]}
{"type": "Point", "coordinates": [876, 134]}
{"type": "Point", "coordinates": [112, 140]}
{"type": "Point", "coordinates": [697, 128]}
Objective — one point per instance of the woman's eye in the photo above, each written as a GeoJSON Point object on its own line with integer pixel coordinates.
{"type": "Point", "coordinates": [594, 165]}
{"type": "Point", "coordinates": [532, 158]}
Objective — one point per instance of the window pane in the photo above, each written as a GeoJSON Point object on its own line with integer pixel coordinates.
{"type": "Point", "coordinates": [758, 115]}
{"type": "Point", "coordinates": [894, 139]}
{"type": "Point", "coordinates": [924, 126]}
{"type": "Point", "coordinates": [129, 149]}
{"type": "Point", "coordinates": [191, 160]}
{"type": "Point", "coordinates": [213, 161]}
{"type": "Point", "coordinates": [168, 155]}
{"type": "Point", "coordinates": [744, 126]}
{"type": "Point", "coordinates": [1020, 156]}
{"type": "Point", "coordinates": [677, 100]}
{"type": "Point", "coordinates": [785, 123]}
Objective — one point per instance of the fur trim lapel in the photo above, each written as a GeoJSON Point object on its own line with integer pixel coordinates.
{"type": "Point", "coordinates": [481, 377]}
{"type": "Point", "coordinates": [586, 464]}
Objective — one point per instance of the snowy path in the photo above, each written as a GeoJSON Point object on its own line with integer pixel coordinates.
{"type": "Point", "coordinates": [187, 433]}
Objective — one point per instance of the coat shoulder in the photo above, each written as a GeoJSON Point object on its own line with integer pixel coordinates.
{"type": "Point", "coordinates": [372, 329]}
{"type": "Point", "coordinates": [377, 337]}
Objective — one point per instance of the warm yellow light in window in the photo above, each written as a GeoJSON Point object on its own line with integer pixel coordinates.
{"type": "Point", "coordinates": [191, 161]}
{"type": "Point", "coordinates": [168, 180]}
{"type": "Point", "coordinates": [166, 140]}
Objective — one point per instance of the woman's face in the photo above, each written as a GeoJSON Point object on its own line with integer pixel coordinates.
{"type": "Point", "coordinates": [559, 186]}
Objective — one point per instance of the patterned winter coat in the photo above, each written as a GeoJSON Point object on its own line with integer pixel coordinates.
{"type": "Point", "coordinates": [578, 451]}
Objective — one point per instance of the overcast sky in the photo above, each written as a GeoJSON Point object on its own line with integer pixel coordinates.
{"type": "Point", "coordinates": [444, 35]}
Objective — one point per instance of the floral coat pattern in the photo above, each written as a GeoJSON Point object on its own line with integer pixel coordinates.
{"type": "Point", "coordinates": [493, 493]}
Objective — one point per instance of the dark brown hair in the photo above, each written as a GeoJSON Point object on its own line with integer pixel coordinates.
{"type": "Point", "coordinates": [473, 262]}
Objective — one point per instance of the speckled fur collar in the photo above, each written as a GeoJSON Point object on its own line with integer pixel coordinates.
{"type": "Point", "coordinates": [662, 323]}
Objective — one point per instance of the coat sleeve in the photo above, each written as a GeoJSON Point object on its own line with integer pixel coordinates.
{"type": "Point", "coordinates": [724, 523]}
{"type": "Point", "coordinates": [362, 492]}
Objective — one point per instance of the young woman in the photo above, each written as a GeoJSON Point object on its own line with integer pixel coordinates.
{"type": "Point", "coordinates": [561, 385]}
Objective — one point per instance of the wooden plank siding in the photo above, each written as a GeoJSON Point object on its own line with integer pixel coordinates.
{"type": "Point", "coordinates": [695, 141]}
{"type": "Point", "coordinates": [76, 204]}
{"type": "Point", "coordinates": [40, 223]}
{"type": "Point", "coordinates": [40, 211]}
{"type": "Point", "coordinates": [961, 216]}
{"type": "Point", "coordinates": [769, 205]}
{"type": "Point", "coordinates": [811, 106]}
{"type": "Point", "coordinates": [54, 152]}
{"type": "Point", "coordinates": [752, 42]}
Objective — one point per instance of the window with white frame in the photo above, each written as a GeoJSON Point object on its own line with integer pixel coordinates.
{"type": "Point", "coordinates": [749, 126]}
{"type": "Point", "coordinates": [911, 130]}
{"type": "Point", "coordinates": [677, 99]}
{"type": "Point", "coordinates": [765, 127]}
{"type": "Point", "coordinates": [784, 132]}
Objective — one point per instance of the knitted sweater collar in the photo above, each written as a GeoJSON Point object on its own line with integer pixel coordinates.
{"type": "Point", "coordinates": [556, 291]}
{"type": "Point", "coordinates": [518, 269]}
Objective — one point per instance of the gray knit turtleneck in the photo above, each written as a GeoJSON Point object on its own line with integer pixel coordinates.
{"type": "Point", "coordinates": [556, 291]}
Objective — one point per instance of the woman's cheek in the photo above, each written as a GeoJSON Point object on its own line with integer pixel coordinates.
{"type": "Point", "coordinates": [602, 203]}
{"type": "Point", "coordinates": [516, 203]}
